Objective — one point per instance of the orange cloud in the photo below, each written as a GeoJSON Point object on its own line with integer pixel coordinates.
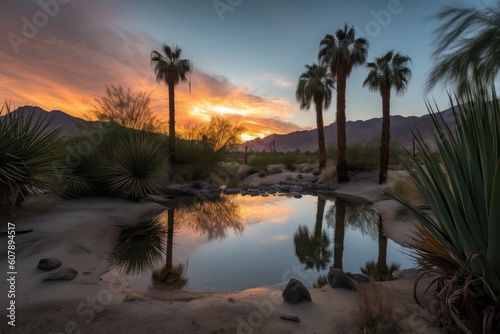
{"type": "Point", "coordinates": [67, 65]}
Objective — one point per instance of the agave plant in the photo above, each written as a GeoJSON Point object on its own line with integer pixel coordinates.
{"type": "Point", "coordinates": [137, 165]}
{"type": "Point", "coordinates": [459, 241]}
{"type": "Point", "coordinates": [28, 149]}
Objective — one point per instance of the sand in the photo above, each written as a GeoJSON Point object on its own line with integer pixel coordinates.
{"type": "Point", "coordinates": [83, 232]}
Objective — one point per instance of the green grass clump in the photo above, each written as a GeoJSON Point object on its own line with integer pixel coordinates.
{"type": "Point", "coordinates": [288, 159]}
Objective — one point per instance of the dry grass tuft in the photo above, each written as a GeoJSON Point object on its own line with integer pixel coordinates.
{"type": "Point", "coordinates": [379, 313]}
{"type": "Point", "coordinates": [400, 184]}
{"type": "Point", "coordinates": [328, 175]}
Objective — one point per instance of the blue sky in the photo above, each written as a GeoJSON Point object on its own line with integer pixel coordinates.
{"type": "Point", "coordinates": [252, 51]}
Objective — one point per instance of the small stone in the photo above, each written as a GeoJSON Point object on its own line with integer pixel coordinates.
{"type": "Point", "coordinates": [131, 299]}
{"type": "Point", "coordinates": [297, 195]}
{"type": "Point", "coordinates": [316, 172]}
{"type": "Point", "coordinates": [49, 264]}
{"type": "Point", "coordinates": [338, 279]}
{"type": "Point", "coordinates": [292, 318]}
{"type": "Point", "coordinates": [231, 300]}
{"type": "Point", "coordinates": [61, 274]}
{"type": "Point", "coordinates": [262, 173]}
{"type": "Point", "coordinates": [295, 291]}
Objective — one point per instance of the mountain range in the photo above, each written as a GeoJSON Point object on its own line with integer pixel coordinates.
{"type": "Point", "coordinates": [357, 131]}
{"type": "Point", "coordinates": [306, 140]}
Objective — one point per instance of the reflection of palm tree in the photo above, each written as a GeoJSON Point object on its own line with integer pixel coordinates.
{"type": "Point", "coordinates": [170, 276]}
{"type": "Point", "coordinates": [312, 249]}
{"type": "Point", "coordinates": [380, 271]}
{"type": "Point", "coordinates": [357, 217]}
{"type": "Point", "coordinates": [338, 238]}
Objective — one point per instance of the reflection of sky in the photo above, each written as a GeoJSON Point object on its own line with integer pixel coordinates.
{"type": "Point", "coordinates": [264, 254]}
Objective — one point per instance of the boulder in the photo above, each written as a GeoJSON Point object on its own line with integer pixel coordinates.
{"type": "Point", "coordinates": [295, 291]}
{"type": "Point", "coordinates": [360, 278]}
{"type": "Point", "coordinates": [49, 264]}
{"type": "Point", "coordinates": [338, 279]}
{"type": "Point", "coordinates": [61, 274]}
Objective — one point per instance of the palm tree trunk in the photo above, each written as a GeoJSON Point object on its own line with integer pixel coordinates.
{"type": "Point", "coordinates": [386, 134]}
{"type": "Point", "coordinates": [341, 131]}
{"type": "Point", "coordinates": [170, 240]}
{"type": "Point", "coordinates": [321, 132]}
{"type": "Point", "coordinates": [171, 121]}
{"type": "Point", "coordinates": [338, 243]}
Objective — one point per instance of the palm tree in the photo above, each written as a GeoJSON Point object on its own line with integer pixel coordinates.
{"type": "Point", "coordinates": [342, 52]}
{"type": "Point", "coordinates": [171, 69]}
{"type": "Point", "coordinates": [466, 47]}
{"type": "Point", "coordinates": [387, 72]}
{"type": "Point", "coordinates": [315, 85]}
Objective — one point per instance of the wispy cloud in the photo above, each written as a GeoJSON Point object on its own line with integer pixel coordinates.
{"type": "Point", "coordinates": [278, 80]}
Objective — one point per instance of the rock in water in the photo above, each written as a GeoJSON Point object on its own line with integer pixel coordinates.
{"type": "Point", "coordinates": [338, 279]}
{"type": "Point", "coordinates": [49, 264]}
{"type": "Point", "coordinates": [61, 274]}
{"type": "Point", "coordinates": [295, 291]}
{"type": "Point", "coordinates": [360, 278]}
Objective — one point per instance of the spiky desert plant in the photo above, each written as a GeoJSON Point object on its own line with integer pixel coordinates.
{"type": "Point", "coordinates": [28, 148]}
{"type": "Point", "coordinates": [137, 165]}
{"type": "Point", "coordinates": [459, 242]}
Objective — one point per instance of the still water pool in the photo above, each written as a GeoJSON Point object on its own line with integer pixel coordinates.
{"type": "Point", "coordinates": [239, 242]}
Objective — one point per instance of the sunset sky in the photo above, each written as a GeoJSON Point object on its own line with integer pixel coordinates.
{"type": "Point", "coordinates": [247, 54]}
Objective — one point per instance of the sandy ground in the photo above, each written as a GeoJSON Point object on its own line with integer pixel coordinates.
{"type": "Point", "coordinates": [83, 232]}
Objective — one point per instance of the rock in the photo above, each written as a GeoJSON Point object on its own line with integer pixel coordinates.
{"type": "Point", "coordinates": [262, 173]}
{"type": "Point", "coordinates": [316, 172]}
{"type": "Point", "coordinates": [300, 177]}
{"type": "Point", "coordinates": [338, 279]}
{"type": "Point", "coordinates": [292, 318]}
{"type": "Point", "coordinates": [232, 191]}
{"type": "Point", "coordinates": [265, 195]}
{"type": "Point", "coordinates": [297, 195]}
{"type": "Point", "coordinates": [61, 274]}
{"type": "Point", "coordinates": [360, 278]}
{"type": "Point", "coordinates": [406, 274]}
{"type": "Point", "coordinates": [131, 299]}
{"type": "Point", "coordinates": [295, 291]}
{"type": "Point", "coordinates": [49, 264]}
{"type": "Point", "coordinates": [273, 170]}
{"type": "Point", "coordinates": [297, 189]}
{"type": "Point", "coordinates": [231, 300]}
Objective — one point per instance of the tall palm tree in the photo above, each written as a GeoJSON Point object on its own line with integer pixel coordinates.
{"type": "Point", "coordinates": [171, 69]}
{"type": "Point", "coordinates": [315, 86]}
{"type": "Point", "coordinates": [386, 72]}
{"type": "Point", "coordinates": [466, 46]}
{"type": "Point", "coordinates": [342, 52]}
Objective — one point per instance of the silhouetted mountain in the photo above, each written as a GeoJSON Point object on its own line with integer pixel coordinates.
{"type": "Point", "coordinates": [68, 125]}
{"type": "Point", "coordinates": [357, 131]}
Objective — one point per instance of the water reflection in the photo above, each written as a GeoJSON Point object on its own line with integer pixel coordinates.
{"type": "Point", "coordinates": [149, 246]}
{"type": "Point", "coordinates": [380, 271]}
{"type": "Point", "coordinates": [312, 249]}
{"type": "Point", "coordinates": [356, 217]}
{"type": "Point", "coordinates": [200, 246]}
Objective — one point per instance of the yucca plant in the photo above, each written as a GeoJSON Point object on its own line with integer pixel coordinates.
{"type": "Point", "coordinates": [28, 148]}
{"type": "Point", "coordinates": [460, 240]}
{"type": "Point", "coordinates": [137, 165]}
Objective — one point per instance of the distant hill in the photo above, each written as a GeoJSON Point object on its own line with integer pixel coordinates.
{"type": "Point", "coordinates": [357, 131]}
{"type": "Point", "coordinates": [69, 125]}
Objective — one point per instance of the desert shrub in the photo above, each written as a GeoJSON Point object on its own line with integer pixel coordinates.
{"type": "Point", "coordinates": [460, 243]}
{"type": "Point", "coordinates": [288, 159]}
{"type": "Point", "coordinates": [28, 147]}
{"type": "Point", "coordinates": [137, 165]}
